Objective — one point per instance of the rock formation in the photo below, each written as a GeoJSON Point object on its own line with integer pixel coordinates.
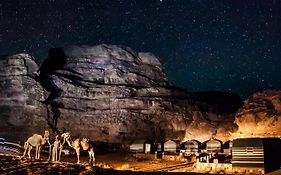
{"type": "Point", "coordinates": [260, 115]}
{"type": "Point", "coordinates": [21, 113]}
{"type": "Point", "coordinates": [112, 94]}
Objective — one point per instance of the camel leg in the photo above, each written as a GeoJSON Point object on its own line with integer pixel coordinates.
{"type": "Point", "coordinates": [56, 155]}
{"type": "Point", "coordinates": [60, 154]}
{"type": "Point", "coordinates": [50, 152]}
{"type": "Point", "coordinates": [26, 144]}
{"type": "Point", "coordinates": [91, 156]}
{"type": "Point", "coordinates": [39, 152]}
{"type": "Point", "coordinates": [36, 151]}
{"type": "Point", "coordinates": [94, 161]}
{"type": "Point", "coordinates": [24, 152]}
{"type": "Point", "coordinates": [25, 149]}
{"type": "Point", "coordinates": [29, 150]}
{"type": "Point", "coordinates": [53, 154]}
{"type": "Point", "coordinates": [78, 155]}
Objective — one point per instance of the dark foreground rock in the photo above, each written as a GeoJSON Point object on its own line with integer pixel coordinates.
{"type": "Point", "coordinates": [107, 93]}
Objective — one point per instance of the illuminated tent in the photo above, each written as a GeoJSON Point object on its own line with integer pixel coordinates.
{"type": "Point", "coordinates": [213, 146]}
{"type": "Point", "coordinates": [190, 146]}
{"type": "Point", "coordinates": [137, 146]}
{"type": "Point", "coordinates": [171, 146]}
{"type": "Point", "coordinates": [142, 146]}
{"type": "Point", "coordinates": [262, 154]}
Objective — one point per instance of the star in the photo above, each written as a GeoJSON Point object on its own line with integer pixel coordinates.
{"type": "Point", "coordinates": [202, 46]}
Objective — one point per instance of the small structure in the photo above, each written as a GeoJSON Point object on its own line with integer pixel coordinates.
{"type": "Point", "coordinates": [142, 146]}
{"type": "Point", "coordinates": [190, 147]}
{"type": "Point", "coordinates": [137, 146]}
{"type": "Point", "coordinates": [171, 147]}
{"type": "Point", "coordinates": [213, 146]}
{"type": "Point", "coordinates": [258, 155]}
{"type": "Point", "coordinates": [148, 147]}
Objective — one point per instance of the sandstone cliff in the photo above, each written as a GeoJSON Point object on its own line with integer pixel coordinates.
{"type": "Point", "coordinates": [260, 115]}
{"type": "Point", "coordinates": [113, 94]}
{"type": "Point", "coordinates": [20, 111]}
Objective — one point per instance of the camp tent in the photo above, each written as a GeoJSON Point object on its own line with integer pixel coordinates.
{"type": "Point", "coordinates": [257, 153]}
{"type": "Point", "coordinates": [190, 146]}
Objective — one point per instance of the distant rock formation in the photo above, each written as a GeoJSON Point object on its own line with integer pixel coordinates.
{"type": "Point", "coordinates": [260, 115]}
{"type": "Point", "coordinates": [111, 94]}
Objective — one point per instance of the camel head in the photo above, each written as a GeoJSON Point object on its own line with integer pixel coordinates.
{"type": "Point", "coordinates": [85, 143]}
{"type": "Point", "coordinates": [46, 134]}
{"type": "Point", "coordinates": [85, 140]}
{"type": "Point", "coordinates": [57, 137]}
{"type": "Point", "coordinates": [45, 137]}
{"type": "Point", "coordinates": [65, 135]}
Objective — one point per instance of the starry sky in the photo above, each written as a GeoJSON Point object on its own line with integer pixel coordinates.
{"type": "Point", "coordinates": [223, 45]}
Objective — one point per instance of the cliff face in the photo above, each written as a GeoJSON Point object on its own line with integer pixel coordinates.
{"type": "Point", "coordinates": [110, 93]}
{"type": "Point", "coordinates": [260, 115]}
{"type": "Point", "coordinates": [20, 111]}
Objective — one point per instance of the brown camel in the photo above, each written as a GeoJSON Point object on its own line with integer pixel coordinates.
{"type": "Point", "coordinates": [76, 145]}
{"type": "Point", "coordinates": [88, 147]}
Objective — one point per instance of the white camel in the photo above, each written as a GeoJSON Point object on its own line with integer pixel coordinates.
{"type": "Point", "coordinates": [36, 141]}
{"type": "Point", "coordinates": [76, 145]}
{"type": "Point", "coordinates": [56, 147]}
{"type": "Point", "coordinates": [61, 147]}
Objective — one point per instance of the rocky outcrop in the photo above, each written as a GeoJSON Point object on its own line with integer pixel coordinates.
{"type": "Point", "coordinates": [113, 94]}
{"type": "Point", "coordinates": [20, 111]}
{"type": "Point", "coordinates": [260, 115]}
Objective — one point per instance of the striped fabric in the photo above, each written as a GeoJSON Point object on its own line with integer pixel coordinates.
{"type": "Point", "coordinates": [248, 153]}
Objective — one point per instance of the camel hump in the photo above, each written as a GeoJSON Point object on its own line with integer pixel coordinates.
{"type": "Point", "coordinates": [37, 136]}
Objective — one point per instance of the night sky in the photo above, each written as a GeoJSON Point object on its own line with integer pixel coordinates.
{"type": "Point", "coordinates": [223, 45]}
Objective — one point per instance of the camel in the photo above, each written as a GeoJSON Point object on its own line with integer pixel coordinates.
{"type": "Point", "coordinates": [73, 144]}
{"type": "Point", "coordinates": [76, 145]}
{"type": "Point", "coordinates": [36, 141]}
{"type": "Point", "coordinates": [61, 146]}
{"type": "Point", "coordinates": [88, 147]}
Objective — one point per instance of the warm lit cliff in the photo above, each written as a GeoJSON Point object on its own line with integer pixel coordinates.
{"type": "Point", "coordinates": [260, 115]}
